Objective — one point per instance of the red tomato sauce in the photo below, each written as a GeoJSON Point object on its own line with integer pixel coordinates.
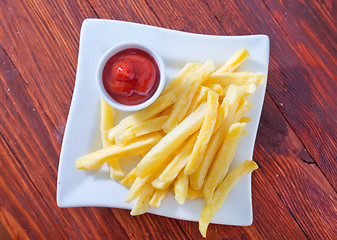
{"type": "Point", "coordinates": [131, 76]}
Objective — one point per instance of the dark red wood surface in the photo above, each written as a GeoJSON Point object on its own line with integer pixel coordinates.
{"type": "Point", "coordinates": [294, 191]}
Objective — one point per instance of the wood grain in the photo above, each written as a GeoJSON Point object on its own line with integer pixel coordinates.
{"type": "Point", "coordinates": [28, 171]}
{"type": "Point", "coordinates": [301, 87]}
{"type": "Point", "coordinates": [294, 191]}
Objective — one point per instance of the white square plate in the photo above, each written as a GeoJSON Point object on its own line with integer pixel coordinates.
{"type": "Point", "coordinates": [78, 188]}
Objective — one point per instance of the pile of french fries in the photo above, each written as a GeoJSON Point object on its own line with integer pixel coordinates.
{"type": "Point", "coordinates": [187, 138]}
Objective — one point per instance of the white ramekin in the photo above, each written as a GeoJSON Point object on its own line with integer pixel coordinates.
{"type": "Point", "coordinates": [112, 51]}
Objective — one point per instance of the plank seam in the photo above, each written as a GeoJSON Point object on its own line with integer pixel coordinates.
{"type": "Point", "coordinates": [216, 17]}
{"type": "Point", "coordinates": [126, 234]}
{"type": "Point", "coordinates": [154, 13]}
{"type": "Point", "coordinates": [92, 8]}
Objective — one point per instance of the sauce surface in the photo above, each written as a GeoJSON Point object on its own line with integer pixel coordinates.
{"type": "Point", "coordinates": [131, 76]}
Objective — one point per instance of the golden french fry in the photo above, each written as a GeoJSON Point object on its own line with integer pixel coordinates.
{"type": "Point", "coordinates": [243, 108]}
{"type": "Point", "coordinates": [198, 177]}
{"type": "Point", "coordinates": [129, 179]}
{"type": "Point", "coordinates": [222, 160]}
{"type": "Point", "coordinates": [184, 100]}
{"type": "Point", "coordinates": [222, 192]}
{"type": "Point", "coordinates": [229, 105]}
{"type": "Point", "coordinates": [158, 196]}
{"type": "Point", "coordinates": [216, 88]}
{"type": "Point", "coordinates": [177, 83]}
{"type": "Point", "coordinates": [142, 128]}
{"type": "Point", "coordinates": [225, 118]}
{"type": "Point", "coordinates": [249, 89]}
{"type": "Point", "coordinates": [181, 188]}
{"type": "Point", "coordinates": [107, 118]}
{"type": "Point", "coordinates": [157, 184]}
{"type": "Point", "coordinates": [237, 78]}
{"type": "Point", "coordinates": [245, 120]}
{"type": "Point", "coordinates": [234, 62]}
{"type": "Point", "coordinates": [137, 188]}
{"type": "Point", "coordinates": [142, 202]}
{"type": "Point", "coordinates": [180, 108]}
{"type": "Point", "coordinates": [205, 133]}
{"type": "Point", "coordinates": [179, 161]}
{"type": "Point", "coordinates": [194, 194]}
{"type": "Point", "coordinates": [158, 106]}
{"type": "Point", "coordinates": [171, 141]}
{"type": "Point", "coordinates": [140, 183]}
{"type": "Point", "coordinates": [116, 172]}
{"type": "Point", "coordinates": [138, 146]}
{"type": "Point", "coordinates": [199, 97]}
{"type": "Point", "coordinates": [172, 170]}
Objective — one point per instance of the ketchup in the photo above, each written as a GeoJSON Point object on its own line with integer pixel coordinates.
{"type": "Point", "coordinates": [131, 76]}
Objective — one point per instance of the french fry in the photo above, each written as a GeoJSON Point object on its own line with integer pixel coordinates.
{"type": "Point", "coordinates": [142, 202]}
{"type": "Point", "coordinates": [115, 170]}
{"type": "Point", "coordinates": [234, 62]}
{"type": "Point", "coordinates": [224, 119]}
{"type": "Point", "coordinates": [158, 196]}
{"type": "Point", "coordinates": [179, 161]}
{"type": "Point", "coordinates": [249, 89]}
{"type": "Point", "coordinates": [222, 192]}
{"type": "Point", "coordinates": [157, 184]}
{"type": "Point", "coordinates": [171, 141]}
{"type": "Point", "coordinates": [197, 179]}
{"type": "Point", "coordinates": [175, 85]}
{"type": "Point", "coordinates": [138, 146]}
{"type": "Point", "coordinates": [180, 108]}
{"type": "Point", "coordinates": [180, 188]}
{"type": "Point", "coordinates": [142, 128]}
{"type": "Point", "coordinates": [222, 160]}
{"type": "Point", "coordinates": [194, 194]}
{"type": "Point", "coordinates": [238, 78]}
{"type": "Point", "coordinates": [229, 105]}
{"type": "Point", "coordinates": [107, 119]}
{"type": "Point", "coordinates": [129, 179]}
{"type": "Point", "coordinates": [216, 88]}
{"type": "Point", "coordinates": [158, 106]}
{"type": "Point", "coordinates": [243, 108]}
{"type": "Point", "coordinates": [245, 120]}
{"type": "Point", "coordinates": [184, 100]}
{"type": "Point", "coordinates": [137, 188]}
{"type": "Point", "coordinates": [140, 183]}
{"type": "Point", "coordinates": [199, 97]}
{"type": "Point", "coordinates": [205, 133]}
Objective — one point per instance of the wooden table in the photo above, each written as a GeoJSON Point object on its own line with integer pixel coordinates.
{"type": "Point", "coordinates": [294, 191]}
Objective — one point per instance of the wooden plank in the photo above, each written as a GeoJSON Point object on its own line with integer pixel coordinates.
{"type": "Point", "coordinates": [28, 171]}
{"type": "Point", "coordinates": [301, 186]}
{"type": "Point", "coordinates": [131, 10]}
{"type": "Point", "coordinates": [190, 16]}
{"type": "Point", "coordinates": [149, 226]}
{"type": "Point", "coordinates": [42, 40]}
{"type": "Point", "coordinates": [303, 89]}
